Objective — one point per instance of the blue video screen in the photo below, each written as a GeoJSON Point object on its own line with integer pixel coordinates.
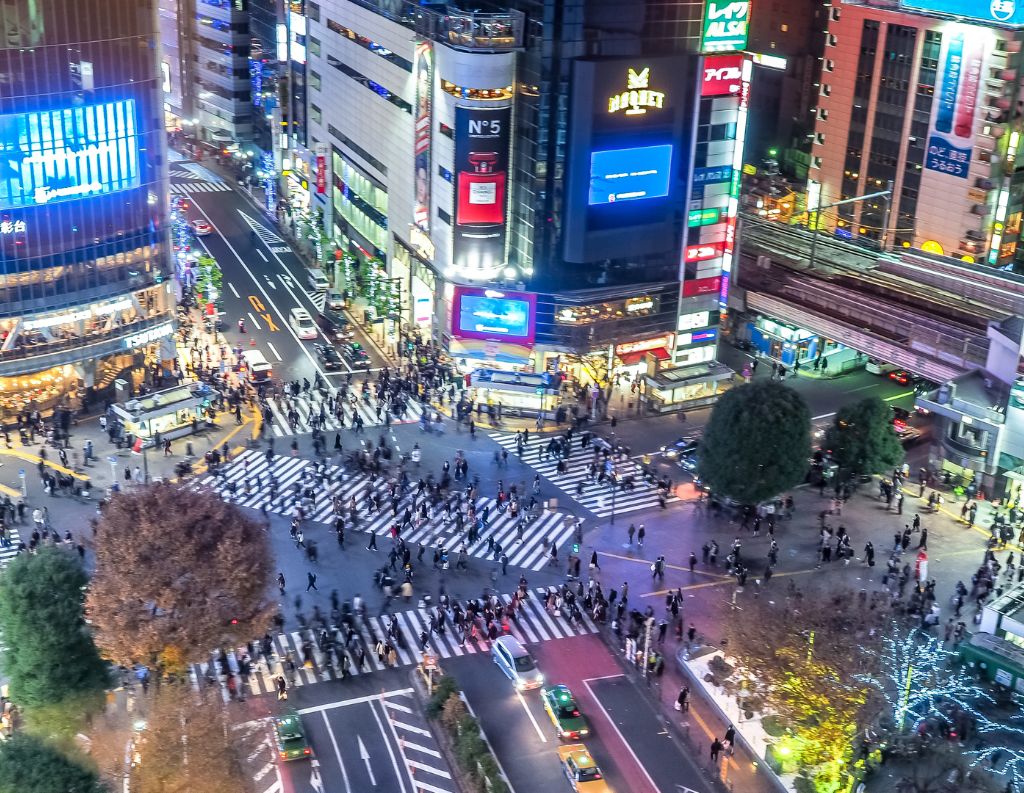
{"type": "Point", "coordinates": [480, 316]}
{"type": "Point", "coordinates": [64, 155]}
{"type": "Point", "coordinates": [630, 174]}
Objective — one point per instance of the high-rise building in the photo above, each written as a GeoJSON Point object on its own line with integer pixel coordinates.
{"type": "Point", "coordinates": [206, 46]}
{"type": "Point", "coordinates": [922, 97]}
{"type": "Point", "coordinates": [516, 180]}
{"type": "Point", "coordinates": [84, 245]}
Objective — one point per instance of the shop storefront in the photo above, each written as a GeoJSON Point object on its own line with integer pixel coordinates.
{"type": "Point", "coordinates": [420, 286]}
{"type": "Point", "coordinates": [471, 354]}
{"type": "Point", "coordinates": [631, 357]}
{"type": "Point", "coordinates": [686, 387]}
{"type": "Point", "coordinates": [41, 391]}
{"type": "Point", "coordinates": [169, 414]}
{"type": "Point", "coordinates": [518, 393]}
{"type": "Point", "coordinates": [788, 344]}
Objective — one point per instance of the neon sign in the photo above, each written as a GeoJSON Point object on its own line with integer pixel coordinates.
{"type": "Point", "coordinates": [638, 96]}
{"type": "Point", "coordinates": [60, 155]}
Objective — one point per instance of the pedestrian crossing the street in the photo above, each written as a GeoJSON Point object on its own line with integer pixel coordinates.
{"type": "Point", "coordinates": [534, 623]}
{"type": "Point", "coordinates": [185, 188]}
{"type": "Point", "coordinates": [317, 298]}
{"type": "Point", "coordinates": [308, 410]}
{"type": "Point", "coordinates": [598, 497]}
{"type": "Point", "coordinates": [246, 481]}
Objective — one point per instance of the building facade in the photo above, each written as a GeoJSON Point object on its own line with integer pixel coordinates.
{"type": "Point", "coordinates": [517, 181]}
{"type": "Point", "coordinates": [923, 98]}
{"type": "Point", "coordinates": [84, 252]}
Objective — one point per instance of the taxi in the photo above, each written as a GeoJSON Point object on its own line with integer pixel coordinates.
{"type": "Point", "coordinates": [291, 740]}
{"type": "Point", "coordinates": [580, 769]}
{"type": "Point", "coordinates": [564, 713]}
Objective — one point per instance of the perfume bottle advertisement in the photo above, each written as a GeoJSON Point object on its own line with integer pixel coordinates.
{"type": "Point", "coordinates": [482, 139]}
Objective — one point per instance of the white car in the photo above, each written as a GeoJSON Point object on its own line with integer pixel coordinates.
{"type": "Point", "coordinates": [302, 323]}
{"type": "Point", "coordinates": [201, 228]}
{"type": "Point", "coordinates": [335, 301]}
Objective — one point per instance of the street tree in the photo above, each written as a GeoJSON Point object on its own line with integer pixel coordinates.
{"type": "Point", "coordinates": [757, 442]}
{"type": "Point", "coordinates": [30, 765]}
{"type": "Point", "coordinates": [862, 439]}
{"type": "Point", "coordinates": [48, 651]}
{"type": "Point", "coordinates": [189, 744]}
{"type": "Point", "coordinates": [178, 572]}
{"type": "Point", "coordinates": [800, 659]}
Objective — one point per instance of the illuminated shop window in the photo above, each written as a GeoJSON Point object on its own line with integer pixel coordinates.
{"type": "Point", "coordinates": [477, 93]}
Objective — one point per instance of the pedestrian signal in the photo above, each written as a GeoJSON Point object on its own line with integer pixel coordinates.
{"type": "Point", "coordinates": [575, 547]}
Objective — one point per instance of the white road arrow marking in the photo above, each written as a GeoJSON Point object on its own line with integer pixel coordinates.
{"type": "Point", "coordinates": [314, 778]}
{"type": "Point", "coordinates": [365, 757]}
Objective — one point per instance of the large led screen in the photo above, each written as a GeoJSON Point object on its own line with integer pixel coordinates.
{"type": "Point", "coordinates": [630, 174]}
{"type": "Point", "coordinates": [494, 316]}
{"type": "Point", "coordinates": [62, 155]}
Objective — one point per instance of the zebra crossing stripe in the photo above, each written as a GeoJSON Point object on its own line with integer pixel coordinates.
{"type": "Point", "coordinates": [304, 409]}
{"type": "Point", "coordinates": [597, 498]}
{"type": "Point", "coordinates": [533, 624]}
{"type": "Point", "coordinates": [317, 298]}
{"type": "Point", "coordinates": [250, 473]}
{"type": "Point", "coordinates": [198, 187]}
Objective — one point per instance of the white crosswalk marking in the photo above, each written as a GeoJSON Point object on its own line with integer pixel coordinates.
{"type": "Point", "coordinates": [186, 188]}
{"type": "Point", "coordinates": [281, 485]}
{"type": "Point", "coordinates": [599, 498]}
{"type": "Point", "coordinates": [317, 298]}
{"type": "Point", "coordinates": [306, 410]}
{"type": "Point", "coordinates": [533, 624]}
{"type": "Point", "coordinates": [267, 237]}
{"type": "Point", "coordinates": [9, 551]}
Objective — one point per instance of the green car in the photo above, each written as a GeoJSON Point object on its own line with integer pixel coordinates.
{"type": "Point", "coordinates": [291, 740]}
{"type": "Point", "coordinates": [565, 714]}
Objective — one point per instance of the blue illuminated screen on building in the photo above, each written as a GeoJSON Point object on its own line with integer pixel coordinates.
{"type": "Point", "coordinates": [485, 314]}
{"type": "Point", "coordinates": [630, 174]}
{"type": "Point", "coordinates": [1004, 12]}
{"type": "Point", "coordinates": [63, 155]}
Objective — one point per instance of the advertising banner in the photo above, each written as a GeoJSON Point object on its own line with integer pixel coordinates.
{"type": "Point", "coordinates": [1003, 12]}
{"type": "Point", "coordinates": [723, 75]}
{"type": "Point", "coordinates": [62, 155]}
{"type": "Point", "coordinates": [481, 187]}
{"type": "Point", "coordinates": [726, 23]}
{"type": "Point", "coordinates": [321, 168]}
{"type": "Point", "coordinates": [702, 286]}
{"type": "Point", "coordinates": [424, 68]}
{"type": "Point", "coordinates": [491, 315]}
{"type": "Point", "coordinates": [951, 132]}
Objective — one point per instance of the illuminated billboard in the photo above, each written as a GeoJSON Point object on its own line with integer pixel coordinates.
{"type": "Point", "coordinates": [726, 23]}
{"type": "Point", "coordinates": [951, 133]}
{"type": "Point", "coordinates": [494, 316]}
{"type": "Point", "coordinates": [1001, 12]}
{"type": "Point", "coordinates": [62, 155]}
{"type": "Point", "coordinates": [630, 174]}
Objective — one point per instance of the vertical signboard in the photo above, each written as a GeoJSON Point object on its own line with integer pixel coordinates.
{"type": "Point", "coordinates": [321, 168]}
{"type": "Point", "coordinates": [951, 132]}
{"type": "Point", "coordinates": [481, 187]}
{"type": "Point", "coordinates": [424, 69]}
{"type": "Point", "coordinates": [734, 191]}
{"type": "Point", "coordinates": [726, 23]}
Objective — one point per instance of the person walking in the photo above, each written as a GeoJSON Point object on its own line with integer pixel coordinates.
{"type": "Point", "coordinates": [373, 541]}
{"type": "Point", "coordinates": [693, 561]}
{"type": "Point", "coordinates": [630, 532]}
{"type": "Point", "coordinates": [640, 534]}
{"type": "Point", "coordinates": [311, 581]}
{"type": "Point", "coordinates": [280, 583]}
{"type": "Point", "coordinates": [683, 700]}
{"type": "Point", "coordinates": [716, 750]}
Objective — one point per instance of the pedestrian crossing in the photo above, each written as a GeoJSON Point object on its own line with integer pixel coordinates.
{"type": "Point", "coordinates": [185, 188]}
{"type": "Point", "coordinates": [266, 236]}
{"type": "Point", "coordinates": [10, 550]}
{"type": "Point", "coordinates": [246, 481]}
{"type": "Point", "coordinates": [598, 497]}
{"type": "Point", "coordinates": [317, 298]}
{"type": "Point", "coordinates": [307, 412]}
{"type": "Point", "coordinates": [533, 623]}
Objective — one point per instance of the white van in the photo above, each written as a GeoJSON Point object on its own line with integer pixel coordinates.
{"type": "Point", "coordinates": [318, 280]}
{"type": "Point", "coordinates": [260, 369]}
{"type": "Point", "coordinates": [875, 366]}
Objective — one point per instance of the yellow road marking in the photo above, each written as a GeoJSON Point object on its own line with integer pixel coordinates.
{"type": "Point", "coordinates": [35, 458]}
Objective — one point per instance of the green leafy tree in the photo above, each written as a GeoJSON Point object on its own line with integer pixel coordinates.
{"type": "Point", "coordinates": [50, 657]}
{"type": "Point", "coordinates": [757, 442]}
{"type": "Point", "coordinates": [30, 765]}
{"type": "Point", "coordinates": [862, 439]}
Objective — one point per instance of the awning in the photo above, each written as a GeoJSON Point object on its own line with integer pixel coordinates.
{"type": "Point", "coordinates": [631, 358]}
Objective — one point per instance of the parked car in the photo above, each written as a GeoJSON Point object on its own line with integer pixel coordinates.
{"type": "Point", "coordinates": [335, 301]}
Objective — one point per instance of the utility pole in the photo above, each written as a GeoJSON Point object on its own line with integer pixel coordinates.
{"type": "Point", "coordinates": [816, 215]}
{"type": "Point", "coordinates": [884, 239]}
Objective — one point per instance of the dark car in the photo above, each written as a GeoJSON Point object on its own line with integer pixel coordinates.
{"type": "Point", "coordinates": [335, 326]}
{"type": "Point", "coordinates": [328, 356]}
{"type": "Point", "coordinates": [683, 447]}
{"type": "Point", "coordinates": [356, 355]}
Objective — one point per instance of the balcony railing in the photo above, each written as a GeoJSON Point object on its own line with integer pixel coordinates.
{"type": "Point", "coordinates": [470, 30]}
{"type": "Point", "coordinates": [62, 351]}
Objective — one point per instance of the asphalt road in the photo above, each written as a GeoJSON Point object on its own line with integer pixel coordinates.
{"type": "Point", "coordinates": [263, 281]}
{"type": "Point", "coordinates": [628, 741]}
